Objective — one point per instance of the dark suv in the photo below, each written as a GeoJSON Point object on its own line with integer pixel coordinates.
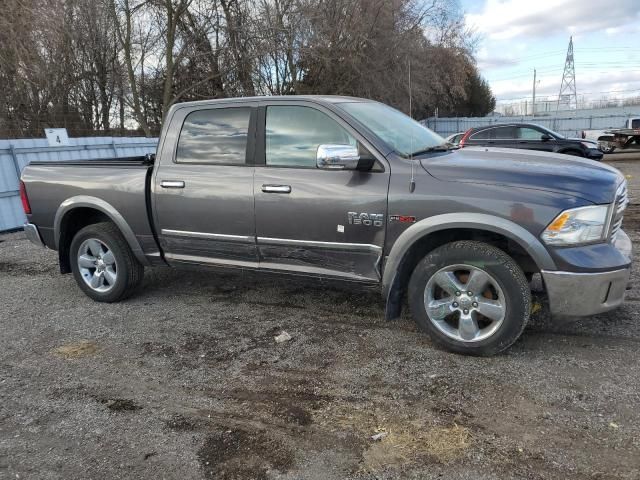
{"type": "Point", "coordinates": [531, 137]}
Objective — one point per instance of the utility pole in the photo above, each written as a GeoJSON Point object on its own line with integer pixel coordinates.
{"type": "Point", "coordinates": [568, 84]}
{"type": "Point", "coordinates": [533, 100]}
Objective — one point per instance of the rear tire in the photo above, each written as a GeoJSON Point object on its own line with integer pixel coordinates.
{"type": "Point", "coordinates": [444, 304]}
{"type": "Point", "coordinates": [102, 263]}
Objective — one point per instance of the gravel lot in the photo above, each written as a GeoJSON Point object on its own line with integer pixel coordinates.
{"type": "Point", "coordinates": [185, 380]}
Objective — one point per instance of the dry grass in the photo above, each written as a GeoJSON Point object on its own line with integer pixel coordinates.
{"type": "Point", "coordinates": [447, 444]}
{"type": "Point", "coordinates": [407, 440]}
{"type": "Point", "coordinates": [76, 350]}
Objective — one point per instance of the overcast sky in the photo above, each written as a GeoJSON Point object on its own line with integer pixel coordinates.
{"type": "Point", "coordinates": [520, 35]}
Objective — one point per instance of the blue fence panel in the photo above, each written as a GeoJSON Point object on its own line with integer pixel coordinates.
{"type": "Point", "coordinates": [16, 154]}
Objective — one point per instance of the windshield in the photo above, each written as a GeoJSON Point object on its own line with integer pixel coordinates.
{"type": "Point", "coordinates": [406, 136]}
{"type": "Point", "coordinates": [551, 132]}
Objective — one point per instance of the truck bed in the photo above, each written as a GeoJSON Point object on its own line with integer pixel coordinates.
{"type": "Point", "coordinates": [121, 183]}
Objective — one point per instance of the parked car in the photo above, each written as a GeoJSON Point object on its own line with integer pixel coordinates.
{"type": "Point", "coordinates": [531, 137]}
{"type": "Point", "coordinates": [611, 138]}
{"type": "Point", "coordinates": [455, 138]}
{"type": "Point", "coordinates": [346, 189]}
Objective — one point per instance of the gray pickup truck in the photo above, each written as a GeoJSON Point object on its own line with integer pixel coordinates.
{"type": "Point", "coordinates": [349, 189]}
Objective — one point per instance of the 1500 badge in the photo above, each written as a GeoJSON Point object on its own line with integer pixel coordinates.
{"type": "Point", "coordinates": [368, 219]}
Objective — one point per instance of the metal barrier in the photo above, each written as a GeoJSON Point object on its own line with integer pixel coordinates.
{"type": "Point", "coordinates": [16, 154]}
{"type": "Point", "coordinates": [565, 125]}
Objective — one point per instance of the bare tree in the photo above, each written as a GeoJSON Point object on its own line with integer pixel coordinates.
{"type": "Point", "coordinates": [91, 65]}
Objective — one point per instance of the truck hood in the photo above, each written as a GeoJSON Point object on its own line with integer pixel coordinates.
{"type": "Point", "coordinates": [564, 174]}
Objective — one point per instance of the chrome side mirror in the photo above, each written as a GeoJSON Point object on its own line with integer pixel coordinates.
{"type": "Point", "coordinates": [337, 157]}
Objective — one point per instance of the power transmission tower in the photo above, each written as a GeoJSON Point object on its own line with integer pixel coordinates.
{"type": "Point", "coordinates": [568, 93]}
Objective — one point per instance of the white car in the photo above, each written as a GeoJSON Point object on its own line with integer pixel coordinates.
{"type": "Point", "coordinates": [455, 138]}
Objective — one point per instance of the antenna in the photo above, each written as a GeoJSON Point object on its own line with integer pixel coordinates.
{"type": "Point", "coordinates": [568, 85]}
{"type": "Point", "coordinates": [533, 100]}
{"type": "Point", "coordinates": [412, 182]}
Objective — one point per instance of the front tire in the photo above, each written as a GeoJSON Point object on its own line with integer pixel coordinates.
{"type": "Point", "coordinates": [102, 263]}
{"type": "Point", "coordinates": [470, 297]}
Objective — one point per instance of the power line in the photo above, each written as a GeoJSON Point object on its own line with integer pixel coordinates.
{"type": "Point", "coordinates": [514, 61]}
{"type": "Point", "coordinates": [582, 94]}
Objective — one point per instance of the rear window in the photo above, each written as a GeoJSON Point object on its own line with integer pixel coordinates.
{"type": "Point", "coordinates": [635, 123]}
{"type": "Point", "coordinates": [217, 136]}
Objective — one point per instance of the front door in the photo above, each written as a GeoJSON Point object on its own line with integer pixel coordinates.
{"type": "Point", "coordinates": [203, 189]}
{"type": "Point", "coordinates": [313, 221]}
{"type": "Point", "coordinates": [531, 139]}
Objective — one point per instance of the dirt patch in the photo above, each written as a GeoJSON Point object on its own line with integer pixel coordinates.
{"type": "Point", "coordinates": [239, 454]}
{"type": "Point", "coordinates": [294, 414]}
{"type": "Point", "coordinates": [19, 269]}
{"type": "Point", "coordinates": [200, 348]}
{"type": "Point", "coordinates": [76, 350]}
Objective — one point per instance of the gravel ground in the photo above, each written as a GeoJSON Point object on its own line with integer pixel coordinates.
{"type": "Point", "coordinates": [185, 380]}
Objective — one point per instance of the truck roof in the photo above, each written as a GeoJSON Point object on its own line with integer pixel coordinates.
{"type": "Point", "coordinates": [284, 98]}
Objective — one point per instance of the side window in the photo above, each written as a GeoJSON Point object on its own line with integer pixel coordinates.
{"type": "Point", "coordinates": [293, 135]}
{"type": "Point", "coordinates": [481, 135]}
{"type": "Point", "coordinates": [526, 133]}
{"type": "Point", "coordinates": [635, 123]}
{"type": "Point", "coordinates": [504, 133]}
{"type": "Point", "coordinates": [217, 136]}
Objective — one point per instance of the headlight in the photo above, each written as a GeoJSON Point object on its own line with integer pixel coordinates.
{"type": "Point", "coordinates": [577, 225]}
{"type": "Point", "coordinates": [589, 144]}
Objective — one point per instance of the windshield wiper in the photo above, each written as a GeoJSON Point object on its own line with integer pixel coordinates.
{"type": "Point", "coordinates": [445, 147]}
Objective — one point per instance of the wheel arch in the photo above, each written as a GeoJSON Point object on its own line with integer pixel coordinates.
{"type": "Point", "coordinates": [78, 212]}
{"type": "Point", "coordinates": [430, 233]}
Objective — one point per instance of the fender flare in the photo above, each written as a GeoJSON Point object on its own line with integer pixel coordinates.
{"type": "Point", "coordinates": [476, 221]}
{"type": "Point", "coordinates": [95, 203]}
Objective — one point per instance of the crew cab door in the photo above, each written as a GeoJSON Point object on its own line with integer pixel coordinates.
{"type": "Point", "coordinates": [310, 220]}
{"type": "Point", "coordinates": [203, 187]}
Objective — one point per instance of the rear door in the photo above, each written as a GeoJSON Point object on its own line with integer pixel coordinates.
{"type": "Point", "coordinates": [313, 221]}
{"type": "Point", "coordinates": [203, 189]}
{"type": "Point", "coordinates": [504, 137]}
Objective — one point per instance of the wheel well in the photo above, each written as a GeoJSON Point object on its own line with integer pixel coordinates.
{"type": "Point", "coordinates": [72, 223]}
{"type": "Point", "coordinates": [429, 242]}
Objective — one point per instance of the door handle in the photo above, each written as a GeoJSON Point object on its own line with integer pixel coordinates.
{"type": "Point", "coordinates": [276, 188]}
{"type": "Point", "coordinates": [172, 184]}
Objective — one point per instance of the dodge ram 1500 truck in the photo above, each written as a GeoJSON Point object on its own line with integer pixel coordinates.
{"type": "Point", "coordinates": [351, 189]}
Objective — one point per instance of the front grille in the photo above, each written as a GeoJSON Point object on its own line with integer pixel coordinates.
{"type": "Point", "coordinates": [621, 202]}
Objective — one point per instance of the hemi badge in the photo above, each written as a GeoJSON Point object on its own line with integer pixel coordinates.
{"type": "Point", "coordinates": [402, 218]}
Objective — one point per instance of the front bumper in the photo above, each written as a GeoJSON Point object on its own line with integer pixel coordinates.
{"type": "Point", "coordinates": [594, 154]}
{"type": "Point", "coordinates": [33, 235]}
{"type": "Point", "coordinates": [574, 294]}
